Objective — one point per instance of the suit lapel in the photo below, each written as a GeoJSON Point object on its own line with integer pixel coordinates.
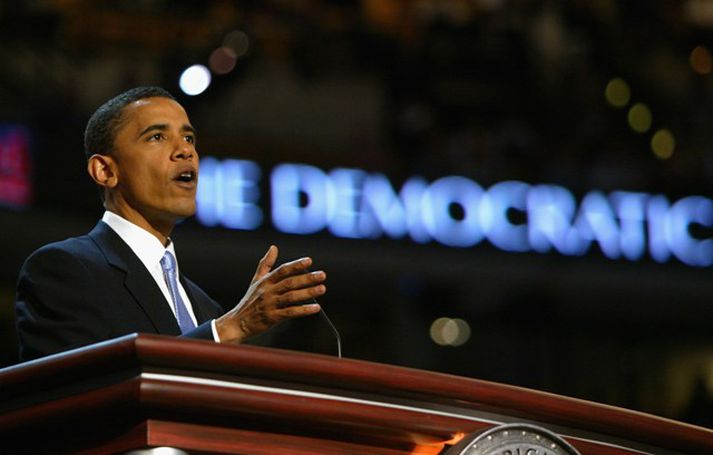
{"type": "Point", "coordinates": [137, 280]}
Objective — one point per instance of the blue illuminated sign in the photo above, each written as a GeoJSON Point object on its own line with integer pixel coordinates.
{"type": "Point", "coordinates": [228, 194]}
{"type": "Point", "coordinates": [455, 211]}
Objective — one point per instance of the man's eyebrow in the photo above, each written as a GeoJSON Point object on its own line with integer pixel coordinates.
{"type": "Point", "coordinates": [158, 127]}
{"type": "Point", "coordinates": [164, 127]}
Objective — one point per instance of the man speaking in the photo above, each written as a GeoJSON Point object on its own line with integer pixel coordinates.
{"type": "Point", "coordinates": [123, 276]}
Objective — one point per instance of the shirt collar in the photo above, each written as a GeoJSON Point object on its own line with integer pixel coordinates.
{"type": "Point", "coordinates": [144, 244]}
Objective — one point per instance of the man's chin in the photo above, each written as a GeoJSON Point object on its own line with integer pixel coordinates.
{"type": "Point", "coordinates": [181, 213]}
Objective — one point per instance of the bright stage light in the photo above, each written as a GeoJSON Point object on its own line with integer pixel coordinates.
{"type": "Point", "coordinates": [194, 80]}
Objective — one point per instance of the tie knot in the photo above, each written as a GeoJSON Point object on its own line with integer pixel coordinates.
{"type": "Point", "coordinates": [168, 262]}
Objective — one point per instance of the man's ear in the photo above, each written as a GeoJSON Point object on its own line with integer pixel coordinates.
{"type": "Point", "coordinates": [102, 169]}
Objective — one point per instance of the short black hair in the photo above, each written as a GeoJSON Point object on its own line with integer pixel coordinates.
{"type": "Point", "coordinates": [103, 124]}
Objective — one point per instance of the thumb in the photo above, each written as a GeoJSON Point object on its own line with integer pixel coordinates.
{"type": "Point", "coordinates": [266, 263]}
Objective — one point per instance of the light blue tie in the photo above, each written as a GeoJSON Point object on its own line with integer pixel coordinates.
{"type": "Point", "coordinates": [168, 264]}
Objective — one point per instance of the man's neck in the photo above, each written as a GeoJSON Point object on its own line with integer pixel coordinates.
{"type": "Point", "coordinates": [160, 230]}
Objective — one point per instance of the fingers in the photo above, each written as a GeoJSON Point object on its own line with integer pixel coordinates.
{"type": "Point", "coordinates": [292, 289]}
{"type": "Point", "coordinates": [297, 296]}
{"type": "Point", "coordinates": [266, 263]}
{"type": "Point", "coordinates": [296, 267]}
{"type": "Point", "coordinates": [300, 281]}
{"type": "Point", "coordinates": [300, 310]}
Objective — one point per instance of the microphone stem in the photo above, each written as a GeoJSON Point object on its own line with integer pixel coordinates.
{"type": "Point", "coordinates": [336, 332]}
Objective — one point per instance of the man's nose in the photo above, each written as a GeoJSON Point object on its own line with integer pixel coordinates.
{"type": "Point", "coordinates": [183, 151]}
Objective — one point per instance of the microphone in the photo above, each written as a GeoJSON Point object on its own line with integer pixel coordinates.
{"type": "Point", "coordinates": [331, 325]}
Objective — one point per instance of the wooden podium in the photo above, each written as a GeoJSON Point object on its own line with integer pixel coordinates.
{"type": "Point", "coordinates": [144, 391]}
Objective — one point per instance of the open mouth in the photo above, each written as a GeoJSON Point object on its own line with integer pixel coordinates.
{"type": "Point", "coordinates": [187, 177]}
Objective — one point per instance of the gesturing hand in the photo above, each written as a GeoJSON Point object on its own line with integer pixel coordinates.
{"type": "Point", "coordinates": [271, 297]}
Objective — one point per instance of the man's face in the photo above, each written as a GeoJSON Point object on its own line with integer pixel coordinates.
{"type": "Point", "coordinates": [156, 164]}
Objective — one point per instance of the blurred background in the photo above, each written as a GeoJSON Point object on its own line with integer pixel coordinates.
{"type": "Point", "coordinates": [589, 95]}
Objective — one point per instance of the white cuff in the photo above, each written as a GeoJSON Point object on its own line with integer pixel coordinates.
{"type": "Point", "coordinates": [216, 338]}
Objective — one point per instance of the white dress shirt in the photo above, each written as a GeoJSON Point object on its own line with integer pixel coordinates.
{"type": "Point", "coordinates": [149, 250]}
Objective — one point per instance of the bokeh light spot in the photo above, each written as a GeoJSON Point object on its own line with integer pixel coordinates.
{"type": "Point", "coordinates": [238, 41]}
{"type": "Point", "coordinates": [450, 332]}
{"type": "Point", "coordinates": [437, 331]}
{"type": "Point", "coordinates": [700, 60]}
{"type": "Point", "coordinates": [194, 80]}
{"type": "Point", "coordinates": [463, 334]}
{"type": "Point", "coordinates": [222, 60]}
{"type": "Point", "coordinates": [617, 92]}
{"type": "Point", "coordinates": [639, 118]}
{"type": "Point", "coordinates": [663, 144]}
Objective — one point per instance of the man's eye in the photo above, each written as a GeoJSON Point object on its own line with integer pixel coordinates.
{"type": "Point", "coordinates": [156, 137]}
{"type": "Point", "coordinates": [191, 139]}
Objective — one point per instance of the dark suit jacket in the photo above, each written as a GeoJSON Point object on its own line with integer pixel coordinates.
{"type": "Point", "coordinates": [92, 288]}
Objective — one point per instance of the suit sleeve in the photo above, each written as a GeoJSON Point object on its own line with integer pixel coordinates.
{"type": "Point", "coordinates": [205, 309]}
{"type": "Point", "coordinates": [202, 332]}
{"type": "Point", "coordinates": [54, 308]}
